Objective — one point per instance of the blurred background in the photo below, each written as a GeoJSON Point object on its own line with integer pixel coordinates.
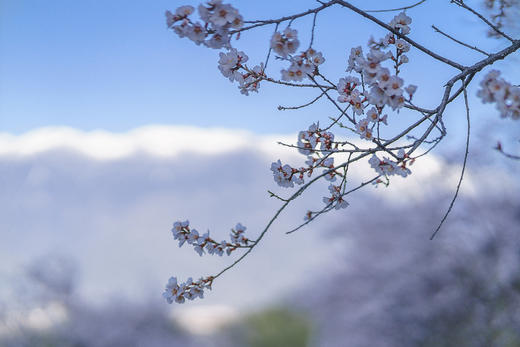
{"type": "Point", "coordinates": [112, 128]}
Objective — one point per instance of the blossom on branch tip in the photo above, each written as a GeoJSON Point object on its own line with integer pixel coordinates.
{"type": "Point", "coordinates": [218, 19]}
{"type": "Point", "coordinates": [401, 22]}
{"type": "Point", "coordinates": [175, 292]}
{"type": "Point", "coordinates": [403, 59]}
{"type": "Point", "coordinates": [181, 231]}
{"type": "Point", "coordinates": [355, 59]}
{"type": "Point", "coordinates": [411, 90]}
{"type": "Point", "coordinates": [285, 43]}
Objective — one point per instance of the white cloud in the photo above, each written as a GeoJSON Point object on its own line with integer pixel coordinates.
{"type": "Point", "coordinates": [155, 140]}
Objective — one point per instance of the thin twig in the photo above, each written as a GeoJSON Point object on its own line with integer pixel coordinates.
{"type": "Point", "coordinates": [459, 42]}
{"type": "Point", "coordinates": [330, 206]}
{"type": "Point", "coordinates": [286, 18]}
{"type": "Point", "coordinates": [356, 150]}
{"type": "Point", "coordinates": [510, 156]}
{"type": "Point", "coordinates": [312, 30]}
{"type": "Point", "coordinates": [472, 70]}
{"type": "Point", "coordinates": [507, 155]}
{"type": "Point", "coordinates": [270, 49]}
{"type": "Point", "coordinates": [275, 216]}
{"type": "Point", "coordinates": [331, 99]}
{"type": "Point", "coordinates": [463, 164]}
{"type": "Point", "coordinates": [398, 9]}
{"type": "Point", "coordinates": [283, 108]}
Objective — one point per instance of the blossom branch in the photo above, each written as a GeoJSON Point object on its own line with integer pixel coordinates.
{"type": "Point", "coordinates": [368, 99]}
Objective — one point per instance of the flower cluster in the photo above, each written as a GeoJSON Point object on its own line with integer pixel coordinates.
{"type": "Point", "coordinates": [286, 42]}
{"type": "Point", "coordinates": [336, 197]}
{"type": "Point", "coordinates": [303, 65]}
{"type": "Point", "coordinates": [505, 95]}
{"type": "Point", "coordinates": [400, 45]}
{"type": "Point", "coordinates": [190, 290]}
{"type": "Point", "coordinates": [204, 243]}
{"type": "Point", "coordinates": [285, 175]}
{"type": "Point", "coordinates": [231, 65]}
{"type": "Point", "coordinates": [380, 88]}
{"type": "Point", "coordinates": [385, 88]}
{"type": "Point", "coordinates": [218, 20]}
{"type": "Point", "coordinates": [365, 126]}
{"type": "Point", "coordinates": [389, 167]}
{"type": "Point", "coordinates": [309, 139]}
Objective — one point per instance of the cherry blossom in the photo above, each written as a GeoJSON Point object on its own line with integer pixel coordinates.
{"type": "Point", "coordinates": [205, 243]}
{"type": "Point", "coordinates": [401, 22]}
{"type": "Point", "coordinates": [175, 292]}
{"type": "Point", "coordinates": [285, 43]}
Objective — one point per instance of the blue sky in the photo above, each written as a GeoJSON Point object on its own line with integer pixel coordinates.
{"type": "Point", "coordinates": [113, 64]}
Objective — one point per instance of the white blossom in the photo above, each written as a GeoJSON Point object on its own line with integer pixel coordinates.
{"type": "Point", "coordinates": [230, 62]}
{"type": "Point", "coordinates": [363, 129]}
{"type": "Point", "coordinates": [285, 43]}
{"type": "Point", "coordinates": [184, 11]}
{"type": "Point", "coordinates": [170, 293]}
{"type": "Point", "coordinates": [219, 39]}
{"type": "Point", "coordinates": [402, 45]}
{"type": "Point", "coordinates": [401, 22]}
{"type": "Point", "coordinates": [411, 89]}
{"type": "Point", "coordinates": [372, 115]}
{"type": "Point", "coordinates": [356, 60]}
{"type": "Point", "coordinates": [388, 167]}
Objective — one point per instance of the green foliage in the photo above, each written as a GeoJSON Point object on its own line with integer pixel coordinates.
{"type": "Point", "coordinates": [277, 327]}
